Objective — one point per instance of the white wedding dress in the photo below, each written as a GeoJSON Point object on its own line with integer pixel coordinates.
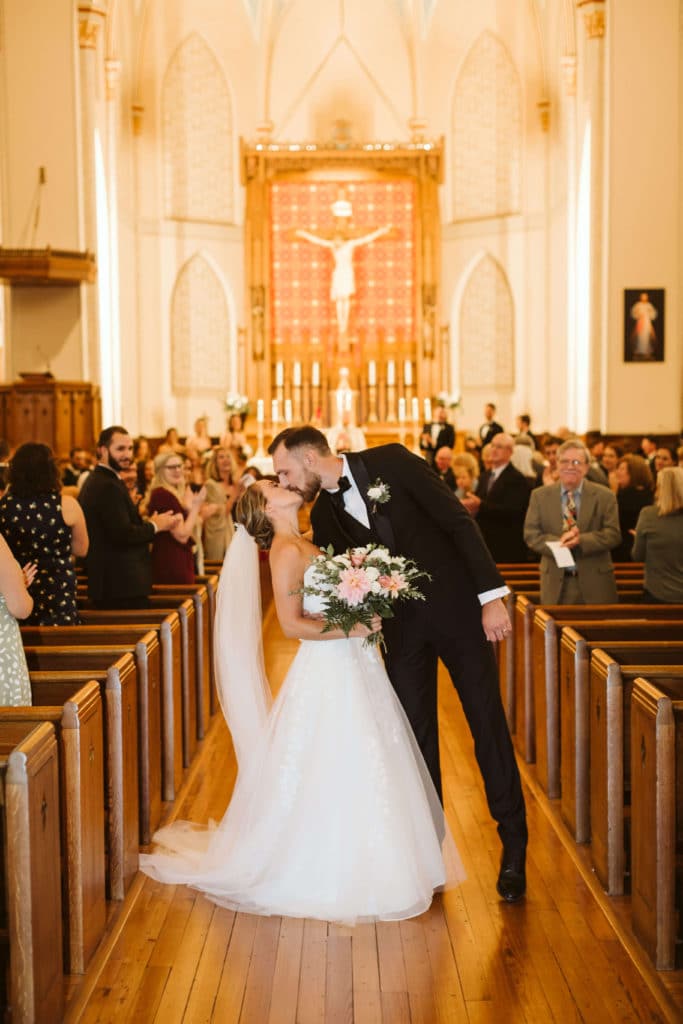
{"type": "Point", "coordinates": [333, 815]}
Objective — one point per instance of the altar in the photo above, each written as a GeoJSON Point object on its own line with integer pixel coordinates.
{"type": "Point", "coordinates": [342, 266]}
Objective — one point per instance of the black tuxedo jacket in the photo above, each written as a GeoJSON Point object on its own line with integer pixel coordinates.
{"type": "Point", "coordinates": [423, 520]}
{"type": "Point", "coordinates": [118, 562]}
{"type": "Point", "coordinates": [501, 514]}
{"type": "Point", "coordinates": [488, 431]}
{"type": "Point", "coordinates": [444, 439]}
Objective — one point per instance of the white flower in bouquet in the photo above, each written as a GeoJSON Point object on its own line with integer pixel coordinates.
{"type": "Point", "coordinates": [234, 402]}
{"type": "Point", "coordinates": [361, 583]}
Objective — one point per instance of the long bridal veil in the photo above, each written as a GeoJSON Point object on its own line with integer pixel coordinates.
{"type": "Point", "coordinates": [241, 681]}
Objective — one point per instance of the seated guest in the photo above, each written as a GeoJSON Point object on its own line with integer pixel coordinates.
{"type": "Point", "coordinates": [583, 517]}
{"type": "Point", "coordinates": [659, 540]}
{"type": "Point", "coordinates": [15, 603]}
{"type": "Point", "coordinates": [442, 466]}
{"type": "Point", "coordinates": [129, 475]}
{"type": "Point", "coordinates": [609, 462]}
{"type": "Point", "coordinates": [221, 493]}
{"type": "Point", "coordinates": [78, 463]}
{"type": "Point", "coordinates": [437, 434]}
{"type": "Point", "coordinates": [173, 550]}
{"type": "Point", "coordinates": [45, 527]}
{"type": "Point", "coordinates": [171, 443]}
{"type": "Point", "coordinates": [648, 447]}
{"type": "Point", "coordinates": [636, 490]}
{"type": "Point", "coordinates": [501, 502]}
{"type": "Point", "coordinates": [466, 469]}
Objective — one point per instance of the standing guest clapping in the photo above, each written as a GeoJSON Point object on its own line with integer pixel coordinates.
{"type": "Point", "coordinates": [173, 550]}
{"type": "Point", "coordinates": [221, 492]}
{"type": "Point", "coordinates": [200, 441]}
{"type": "Point", "coordinates": [659, 540]}
{"type": "Point", "coordinates": [15, 603]}
{"type": "Point", "coordinates": [118, 562]}
{"type": "Point", "coordinates": [44, 526]}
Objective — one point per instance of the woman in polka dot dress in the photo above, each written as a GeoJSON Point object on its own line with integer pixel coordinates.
{"type": "Point", "coordinates": [45, 527]}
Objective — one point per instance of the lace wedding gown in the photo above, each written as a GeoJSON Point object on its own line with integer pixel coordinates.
{"type": "Point", "coordinates": [333, 814]}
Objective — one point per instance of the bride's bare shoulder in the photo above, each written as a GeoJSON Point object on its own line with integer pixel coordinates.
{"type": "Point", "coordinates": [291, 552]}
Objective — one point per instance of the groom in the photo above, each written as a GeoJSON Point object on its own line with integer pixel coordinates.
{"type": "Point", "coordinates": [411, 512]}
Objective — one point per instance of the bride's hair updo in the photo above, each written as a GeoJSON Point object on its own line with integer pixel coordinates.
{"type": "Point", "coordinates": [250, 511]}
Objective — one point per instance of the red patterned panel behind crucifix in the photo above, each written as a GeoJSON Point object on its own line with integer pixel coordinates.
{"type": "Point", "coordinates": [383, 303]}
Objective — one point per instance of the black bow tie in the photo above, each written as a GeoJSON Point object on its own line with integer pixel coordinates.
{"type": "Point", "coordinates": [343, 484]}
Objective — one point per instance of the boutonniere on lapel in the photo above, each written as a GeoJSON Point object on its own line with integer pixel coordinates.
{"type": "Point", "coordinates": [378, 494]}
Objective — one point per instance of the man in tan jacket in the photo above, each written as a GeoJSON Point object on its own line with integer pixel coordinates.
{"type": "Point", "coordinates": [583, 518]}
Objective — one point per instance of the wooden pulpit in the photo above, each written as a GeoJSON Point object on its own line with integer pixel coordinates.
{"type": "Point", "coordinates": [61, 414]}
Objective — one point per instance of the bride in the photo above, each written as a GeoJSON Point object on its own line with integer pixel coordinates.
{"type": "Point", "coordinates": [333, 815]}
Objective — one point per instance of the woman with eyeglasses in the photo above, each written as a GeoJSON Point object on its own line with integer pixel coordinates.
{"type": "Point", "coordinates": [173, 551]}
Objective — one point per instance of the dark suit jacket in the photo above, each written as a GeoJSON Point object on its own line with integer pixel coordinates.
{"type": "Point", "coordinates": [118, 562]}
{"type": "Point", "coordinates": [448, 477]}
{"type": "Point", "coordinates": [501, 514]}
{"type": "Point", "coordinates": [444, 439]}
{"type": "Point", "coordinates": [488, 431]}
{"type": "Point", "coordinates": [423, 520]}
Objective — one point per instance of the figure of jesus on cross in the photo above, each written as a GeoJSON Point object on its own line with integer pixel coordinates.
{"type": "Point", "coordinates": [343, 280]}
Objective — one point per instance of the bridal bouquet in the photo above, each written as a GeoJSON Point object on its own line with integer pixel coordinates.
{"type": "Point", "coordinates": [361, 583]}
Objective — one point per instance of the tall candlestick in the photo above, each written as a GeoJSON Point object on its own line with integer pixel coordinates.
{"type": "Point", "coordinates": [428, 410]}
{"type": "Point", "coordinates": [275, 412]}
{"type": "Point", "coordinates": [372, 373]}
{"type": "Point", "coordinates": [288, 411]}
{"type": "Point", "coordinates": [259, 411]}
{"type": "Point", "coordinates": [315, 375]}
{"type": "Point", "coordinates": [296, 374]}
{"type": "Point", "coordinates": [391, 372]}
{"type": "Point", "coordinates": [279, 374]}
{"type": "Point", "coordinates": [415, 407]}
{"type": "Point", "coordinates": [407, 373]}
{"type": "Point", "coordinates": [401, 410]}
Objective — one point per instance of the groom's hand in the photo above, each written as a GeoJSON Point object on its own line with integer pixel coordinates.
{"type": "Point", "coordinates": [495, 620]}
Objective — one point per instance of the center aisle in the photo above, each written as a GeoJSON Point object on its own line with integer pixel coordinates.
{"type": "Point", "coordinates": [174, 956]}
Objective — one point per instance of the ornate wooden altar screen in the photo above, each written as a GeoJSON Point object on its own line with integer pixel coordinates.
{"type": "Point", "coordinates": [302, 359]}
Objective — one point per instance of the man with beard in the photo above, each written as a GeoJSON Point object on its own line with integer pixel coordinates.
{"type": "Point", "coordinates": [389, 496]}
{"type": "Point", "coordinates": [118, 562]}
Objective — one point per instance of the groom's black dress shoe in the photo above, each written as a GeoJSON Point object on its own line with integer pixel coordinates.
{"type": "Point", "coordinates": [511, 877]}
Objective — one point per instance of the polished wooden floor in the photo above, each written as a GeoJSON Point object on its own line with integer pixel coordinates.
{"type": "Point", "coordinates": [562, 955]}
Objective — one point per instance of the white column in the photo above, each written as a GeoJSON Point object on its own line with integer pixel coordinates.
{"type": "Point", "coordinates": [592, 215]}
{"type": "Point", "coordinates": [112, 71]}
{"type": "Point", "coordinates": [90, 21]}
{"type": "Point", "coordinates": [570, 413]}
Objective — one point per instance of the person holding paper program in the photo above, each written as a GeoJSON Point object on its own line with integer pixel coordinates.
{"type": "Point", "coordinates": [573, 525]}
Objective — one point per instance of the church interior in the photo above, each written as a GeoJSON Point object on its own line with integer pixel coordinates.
{"type": "Point", "coordinates": [348, 213]}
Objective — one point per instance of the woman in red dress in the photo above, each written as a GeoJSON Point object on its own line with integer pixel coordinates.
{"type": "Point", "coordinates": [173, 551]}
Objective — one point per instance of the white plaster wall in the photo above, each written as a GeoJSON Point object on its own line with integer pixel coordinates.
{"type": "Point", "coordinates": [645, 169]}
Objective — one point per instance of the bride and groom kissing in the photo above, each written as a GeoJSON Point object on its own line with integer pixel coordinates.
{"type": "Point", "coordinates": [333, 814]}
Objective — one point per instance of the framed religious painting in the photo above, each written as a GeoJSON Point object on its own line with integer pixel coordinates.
{"type": "Point", "coordinates": [643, 325]}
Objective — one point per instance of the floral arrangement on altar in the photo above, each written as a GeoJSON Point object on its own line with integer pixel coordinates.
{"type": "Point", "coordinates": [236, 403]}
{"type": "Point", "coordinates": [361, 583]}
{"type": "Point", "coordinates": [449, 401]}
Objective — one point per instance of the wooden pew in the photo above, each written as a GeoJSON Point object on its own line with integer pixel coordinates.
{"type": "Point", "coordinates": [610, 742]}
{"type": "Point", "coordinates": [577, 642]}
{"type": "Point", "coordinates": [31, 890]}
{"type": "Point", "coordinates": [76, 713]}
{"type": "Point", "coordinates": [199, 595]}
{"type": "Point", "coordinates": [167, 627]}
{"type": "Point", "coordinates": [116, 675]}
{"type": "Point", "coordinates": [657, 817]}
{"type": "Point", "coordinates": [210, 580]}
{"type": "Point", "coordinates": [525, 608]}
{"type": "Point", "coordinates": [545, 668]}
{"type": "Point", "coordinates": [144, 646]}
{"type": "Point", "coordinates": [184, 608]}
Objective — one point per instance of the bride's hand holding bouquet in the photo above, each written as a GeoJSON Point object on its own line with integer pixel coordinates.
{"type": "Point", "coordinates": [360, 585]}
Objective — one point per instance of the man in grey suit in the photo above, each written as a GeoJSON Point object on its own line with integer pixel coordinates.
{"type": "Point", "coordinates": [583, 517]}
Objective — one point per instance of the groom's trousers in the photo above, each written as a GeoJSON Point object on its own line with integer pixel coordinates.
{"type": "Point", "coordinates": [415, 643]}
